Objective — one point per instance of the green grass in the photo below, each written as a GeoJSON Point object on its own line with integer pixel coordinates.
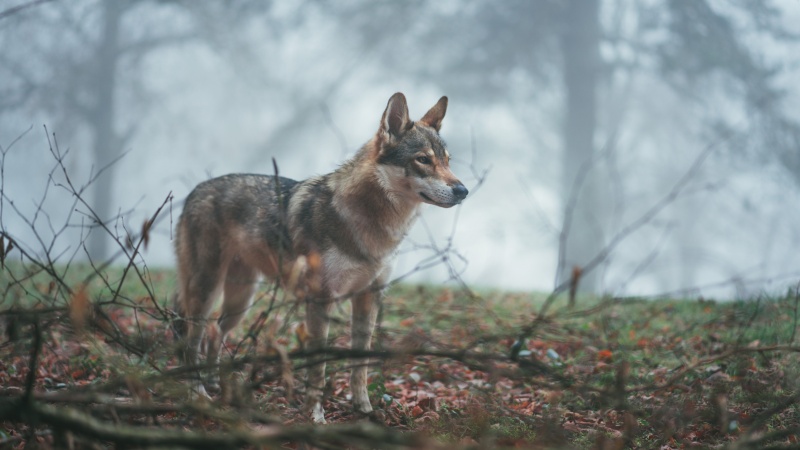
{"type": "Point", "coordinates": [29, 286]}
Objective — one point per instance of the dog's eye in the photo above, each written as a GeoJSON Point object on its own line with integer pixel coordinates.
{"type": "Point", "coordinates": [423, 160]}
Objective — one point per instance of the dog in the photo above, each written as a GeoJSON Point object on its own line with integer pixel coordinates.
{"type": "Point", "coordinates": [342, 229]}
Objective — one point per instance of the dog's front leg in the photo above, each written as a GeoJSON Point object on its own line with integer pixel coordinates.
{"type": "Point", "coordinates": [365, 313]}
{"type": "Point", "coordinates": [317, 320]}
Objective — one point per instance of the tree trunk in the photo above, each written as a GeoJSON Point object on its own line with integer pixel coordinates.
{"type": "Point", "coordinates": [583, 237]}
{"type": "Point", "coordinates": [106, 140]}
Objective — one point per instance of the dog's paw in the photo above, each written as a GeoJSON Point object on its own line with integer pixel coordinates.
{"type": "Point", "coordinates": [362, 408]}
{"type": "Point", "coordinates": [318, 414]}
{"type": "Point", "coordinates": [361, 403]}
{"type": "Point", "coordinates": [198, 392]}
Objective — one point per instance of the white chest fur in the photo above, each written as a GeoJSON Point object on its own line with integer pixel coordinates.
{"type": "Point", "coordinates": [344, 276]}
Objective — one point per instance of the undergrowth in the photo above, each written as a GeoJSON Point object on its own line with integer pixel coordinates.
{"type": "Point", "coordinates": [608, 373]}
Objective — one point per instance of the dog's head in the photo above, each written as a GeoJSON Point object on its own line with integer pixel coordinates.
{"type": "Point", "coordinates": [412, 158]}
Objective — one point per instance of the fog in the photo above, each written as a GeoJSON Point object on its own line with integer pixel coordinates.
{"type": "Point", "coordinates": [687, 179]}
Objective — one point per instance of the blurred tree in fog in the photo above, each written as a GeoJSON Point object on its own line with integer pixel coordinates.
{"type": "Point", "coordinates": [476, 50]}
{"type": "Point", "coordinates": [711, 47]}
{"type": "Point", "coordinates": [80, 62]}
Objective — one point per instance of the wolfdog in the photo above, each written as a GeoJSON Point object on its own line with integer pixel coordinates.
{"type": "Point", "coordinates": [343, 228]}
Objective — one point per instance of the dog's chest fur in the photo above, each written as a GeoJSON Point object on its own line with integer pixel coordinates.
{"type": "Point", "coordinates": [349, 219]}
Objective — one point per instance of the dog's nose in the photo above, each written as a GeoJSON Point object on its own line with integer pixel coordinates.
{"type": "Point", "coordinates": [460, 191]}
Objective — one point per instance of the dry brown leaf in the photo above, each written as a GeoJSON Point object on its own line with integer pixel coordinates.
{"type": "Point", "coordinates": [146, 232]}
{"type": "Point", "coordinates": [79, 308]}
{"type": "Point", "coordinates": [301, 332]}
{"type": "Point", "coordinates": [407, 322]}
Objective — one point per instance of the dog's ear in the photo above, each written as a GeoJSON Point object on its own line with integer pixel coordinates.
{"type": "Point", "coordinates": [395, 119]}
{"type": "Point", "coordinates": [433, 118]}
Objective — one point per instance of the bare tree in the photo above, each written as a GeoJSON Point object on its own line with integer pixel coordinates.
{"type": "Point", "coordinates": [88, 73]}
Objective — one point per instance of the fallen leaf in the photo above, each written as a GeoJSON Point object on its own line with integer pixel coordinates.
{"type": "Point", "coordinates": [146, 232]}
{"type": "Point", "coordinates": [302, 334]}
{"type": "Point", "coordinates": [605, 355]}
{"type": "Point", "coordinates": [79, 308]}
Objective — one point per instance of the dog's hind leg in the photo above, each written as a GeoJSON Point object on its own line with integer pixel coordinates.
{"type": "Point", "coordinates": [200, 268]}
{"type": "Point", "coordinates": [240, 284]}
{"type": "Point", "coordinates": [317, 322]}
{"type": "Point", "coordinates": [199, 291]}
{"type": "Point", "coordinates": [365, 313]}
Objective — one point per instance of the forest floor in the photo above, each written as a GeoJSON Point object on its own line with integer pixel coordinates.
{"type": "Point", "coordinates": [449, 370]}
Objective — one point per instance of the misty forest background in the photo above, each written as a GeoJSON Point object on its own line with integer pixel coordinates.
{"type": "Point", "coordinates": [646, 153]}
{"type": "Point", "coordinates": [578, 120]}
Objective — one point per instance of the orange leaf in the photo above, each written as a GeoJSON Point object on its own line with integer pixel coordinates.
{"type": "Point", "coordinates": [302, 334]}
{"type": "Point", "coordinates": [314, 261]}
{"type": "Point", "coordinates": [407, 322]}
{"type": "Point", "coordinates": [416, 412]}
{"type": "Point", "coordinates": [79, 308]}
{"type": "Point", "coordinates": [445, 296]}
{"type": "Point", "coordinates": [146, 232]}
{"type": "Point", "coordinates": [605, 355]}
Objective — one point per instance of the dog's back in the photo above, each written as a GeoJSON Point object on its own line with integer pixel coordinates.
{"type": "Point", "coordinates": [238, 203]}
{"type": "Point", "coordinates": [231, 215]}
